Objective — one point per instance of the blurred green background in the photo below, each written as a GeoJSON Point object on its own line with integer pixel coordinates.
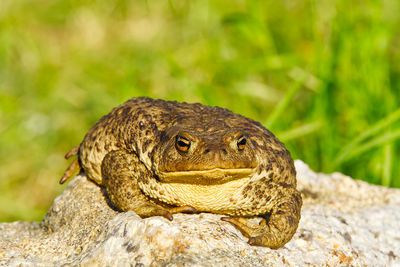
{"type": "Point", "coordinates": [323, 75]}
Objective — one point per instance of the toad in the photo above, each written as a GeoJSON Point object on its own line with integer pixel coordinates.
{"type": "Point", "coordinates": [158, 158]}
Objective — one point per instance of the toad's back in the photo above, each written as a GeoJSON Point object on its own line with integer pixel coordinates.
{"type": "Point", "coordinates": [138, 126]}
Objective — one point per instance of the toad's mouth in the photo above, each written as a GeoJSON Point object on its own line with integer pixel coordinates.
{"type": "Point", "coordinates": [206, 177]}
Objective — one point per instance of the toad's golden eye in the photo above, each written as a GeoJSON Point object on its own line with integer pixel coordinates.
{"type": "Point", "coordinates": [241, 142]}
{"type": "Point", "coordinates": [182, 143]}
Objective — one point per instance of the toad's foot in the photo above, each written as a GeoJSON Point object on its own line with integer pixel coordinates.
{"type": "Point", "coordinates": [277, 227]}
{"type": "Point", "coordinates": [258, 234]}
{"type": "Point", "coordinates": [169, 211]}
{"type": "Point", "coordinates": [73, 167]}
{"type": "Point", "coordinates": [146, 209]}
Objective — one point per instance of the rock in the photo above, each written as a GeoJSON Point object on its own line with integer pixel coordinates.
{"type": "Point", "coordinates": [344, 222]}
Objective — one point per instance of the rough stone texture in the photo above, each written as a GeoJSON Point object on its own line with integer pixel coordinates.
{"type": "Point", "coordinates": [344, 222]}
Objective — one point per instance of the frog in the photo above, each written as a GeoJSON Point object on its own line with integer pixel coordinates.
{"type": "Point", "coordinates": [158, 158]}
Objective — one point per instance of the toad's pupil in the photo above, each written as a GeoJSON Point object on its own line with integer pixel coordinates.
{"type": "Point", "coordinates": [241, 142]}
{"type": "Point", "coordinates": [182, 143]}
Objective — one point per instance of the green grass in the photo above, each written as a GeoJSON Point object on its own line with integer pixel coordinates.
{"type": "Point", "coordinates": [324, 76]}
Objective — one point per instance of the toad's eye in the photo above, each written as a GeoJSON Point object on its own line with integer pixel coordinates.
{"type": "Point", "coordinates": [182, 143]}
{"type": "Point", "coordinates": [241, 142]}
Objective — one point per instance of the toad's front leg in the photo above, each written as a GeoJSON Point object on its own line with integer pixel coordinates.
{"type": "Point", "coordinates": [278, 225]}
{"type": "Point", "coordinates": [120, 173]}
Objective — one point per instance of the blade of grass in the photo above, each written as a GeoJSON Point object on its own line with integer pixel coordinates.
{"type": "Point", "coordinates": [387, 164]}
{"type": "Point", "coordinates": [300, 131]}
{"type": "Point", "coordinates": [344, 153]}
{"type": "Point", "coordinates": [382, 139]}
{"type": "Point", "coordinates": [276, 113]}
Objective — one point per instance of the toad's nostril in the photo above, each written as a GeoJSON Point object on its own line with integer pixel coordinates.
{"type": "Point", "coordinates": [223, 150]}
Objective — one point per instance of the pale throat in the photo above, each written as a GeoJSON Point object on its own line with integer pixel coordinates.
{"type": "Point", "coordinates": [216, 198]}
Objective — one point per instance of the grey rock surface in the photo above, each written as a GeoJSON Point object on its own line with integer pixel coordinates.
{"type": "Point", "coordinates": [344, 222]}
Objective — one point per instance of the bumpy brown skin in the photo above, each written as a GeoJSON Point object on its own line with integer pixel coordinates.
{"type": "Point", "coordinates": [133, 152]}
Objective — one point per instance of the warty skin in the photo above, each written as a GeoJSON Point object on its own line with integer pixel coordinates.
{"type": "Point", "coordinates": [158, 157]}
